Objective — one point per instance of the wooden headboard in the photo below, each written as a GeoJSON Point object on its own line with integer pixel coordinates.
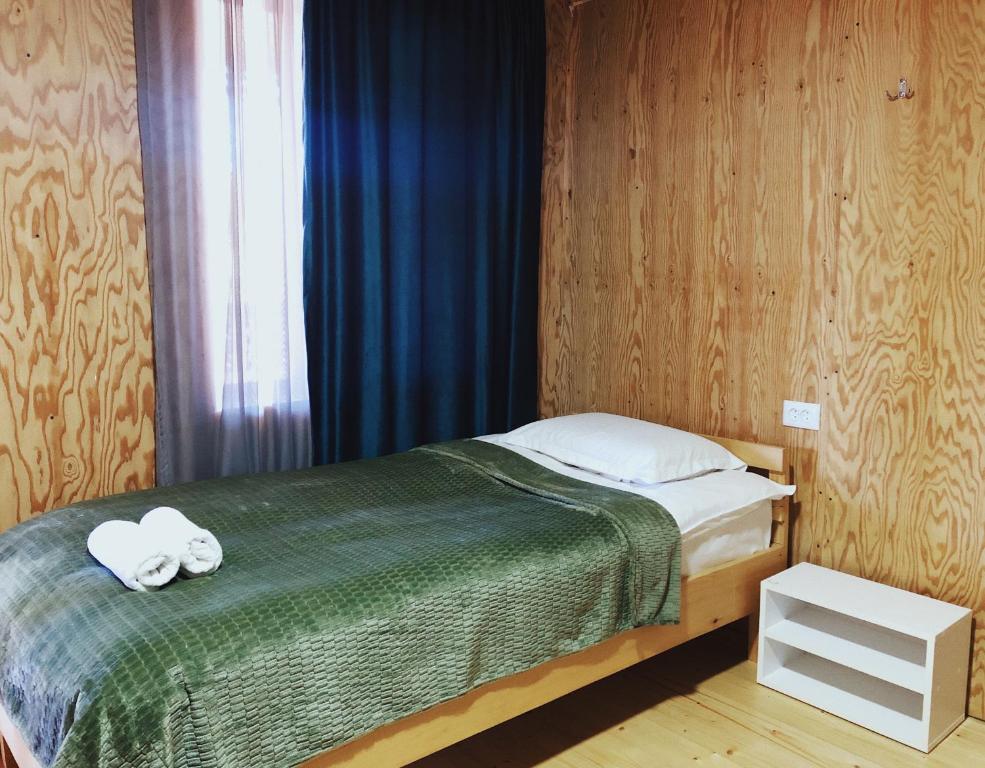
{"type": "Point", "coordinates": [756, 455]}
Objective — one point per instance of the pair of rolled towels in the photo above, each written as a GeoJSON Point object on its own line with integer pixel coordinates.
{"type": "Point", "coordinates": [147, 556]}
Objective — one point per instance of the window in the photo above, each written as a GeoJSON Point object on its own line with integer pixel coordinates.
{"type": "Point", "coordinates": [250, 128]}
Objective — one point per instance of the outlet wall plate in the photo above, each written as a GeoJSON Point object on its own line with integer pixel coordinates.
{"type": "Point", "coordinates": [801, 415]}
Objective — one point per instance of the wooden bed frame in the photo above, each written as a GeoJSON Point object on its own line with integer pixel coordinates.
{"type": "Point", "coordinates": [709, 600]}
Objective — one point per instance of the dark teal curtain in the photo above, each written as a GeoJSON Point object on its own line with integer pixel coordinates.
{"type": "Point", "coordinates": [424, 126]}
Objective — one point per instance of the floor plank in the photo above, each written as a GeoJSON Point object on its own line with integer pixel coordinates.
{"type": "Point", "coordinates": [698, 705]}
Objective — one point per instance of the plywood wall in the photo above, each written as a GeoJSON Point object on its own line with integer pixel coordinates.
{"type": "Point", "coordinates": [735, 214]}
{"type": "Point", "coordinates": [76, 377]}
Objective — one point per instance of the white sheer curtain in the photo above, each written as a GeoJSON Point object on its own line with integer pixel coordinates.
{"type": "Point", "coordinates": [220, 92]}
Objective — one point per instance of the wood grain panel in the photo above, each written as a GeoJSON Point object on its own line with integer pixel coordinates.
{"type": "Point", "coordinates": [904, 472]}
{"type": "Point", "coordinates": [76, 376]}
{"type": "Point", "coordinates": [735, 214]}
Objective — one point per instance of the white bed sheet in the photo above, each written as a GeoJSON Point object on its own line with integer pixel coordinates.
{"type": "Point", "coordinates": [708, 537]}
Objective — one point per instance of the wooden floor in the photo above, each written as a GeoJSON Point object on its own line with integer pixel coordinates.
{"type": "Point", "coordinates": [696, 705]}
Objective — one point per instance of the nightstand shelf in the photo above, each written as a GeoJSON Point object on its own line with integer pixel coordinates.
{"type": "Point", "coordinates": [889, 660]}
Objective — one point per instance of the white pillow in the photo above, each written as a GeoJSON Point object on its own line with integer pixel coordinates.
{"type": "Point", "coordinates": [716, 495]}
{"type": "Point", "coordinates": [624, 449]}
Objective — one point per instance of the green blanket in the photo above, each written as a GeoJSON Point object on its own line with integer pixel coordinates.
{"type": "Point", "coordinates": [349, 596]}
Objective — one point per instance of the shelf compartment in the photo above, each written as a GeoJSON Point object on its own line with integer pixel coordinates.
{"type": "Point", "coordinates": [853, 695]}
{"type": "Point", "coordinates": [868, 648]}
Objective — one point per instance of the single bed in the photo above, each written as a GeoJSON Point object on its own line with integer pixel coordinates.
{"type": "Point", "coordinates": [597, 636]}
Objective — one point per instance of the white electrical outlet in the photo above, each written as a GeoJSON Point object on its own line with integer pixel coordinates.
{"type": "Point", "coordinates": [801, 415]}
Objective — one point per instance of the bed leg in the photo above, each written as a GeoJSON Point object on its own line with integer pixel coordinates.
{"type": "Point", "coordinates": [752, 638]}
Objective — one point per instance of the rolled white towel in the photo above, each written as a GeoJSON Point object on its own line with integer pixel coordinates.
{"type": "Point", "coordinates": [133, 555]}
{"type": "Point", "coordinates": [196, 548]}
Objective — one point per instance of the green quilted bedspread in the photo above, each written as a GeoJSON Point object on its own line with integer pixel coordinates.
{"type": "Point", "coordinates": [349, 596]}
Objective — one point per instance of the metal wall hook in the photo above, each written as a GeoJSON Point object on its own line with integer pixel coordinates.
{"type": "Point", "coordinates": [904, 92]}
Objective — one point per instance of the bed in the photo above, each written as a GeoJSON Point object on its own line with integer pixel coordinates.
{"type": "Point", "coordinates": [600, 601]}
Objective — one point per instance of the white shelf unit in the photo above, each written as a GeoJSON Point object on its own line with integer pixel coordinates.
{"type": "Point", "coordinates": [886, 659]}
